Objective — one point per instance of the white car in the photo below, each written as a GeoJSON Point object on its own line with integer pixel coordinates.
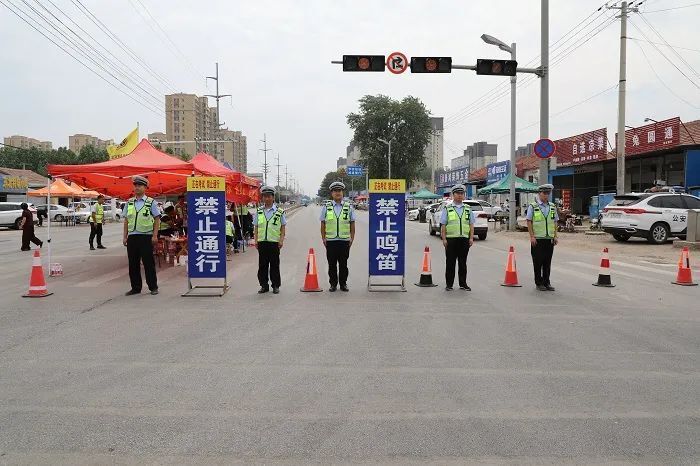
{"type": "Point", "coordinates": [82, 211]}
{"type": "Point", "coordinates": [654, 216]}
{"type": "Point", "coordinates": [58, 212]}
{"type": "Point", "coordinates": [481, 222]}
{"type": "Point", "coordinates": [489, 208]}
{"type": "Point", "coordinates": [11, 214]}
{"type": "Point", "coordinates": [412, 214]}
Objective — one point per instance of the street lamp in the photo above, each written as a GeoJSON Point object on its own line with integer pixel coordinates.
{"type": "Point", "coordinates": [647, 120]}
{"type": "Point", "coordinates": [388, 143]}
{"type": "Point", "coordinates": [512, 217]}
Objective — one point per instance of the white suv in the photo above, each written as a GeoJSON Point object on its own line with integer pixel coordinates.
{"type": "Point", "coordinates": [481, 222]}
{"type": "Point", "coordinates": [11, 214]}
{"type": "Point", "coordinates": [654, 216]}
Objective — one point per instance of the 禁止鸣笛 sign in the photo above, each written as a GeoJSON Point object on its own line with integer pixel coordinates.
{"type": "Point", "coordinates": [387, 232]}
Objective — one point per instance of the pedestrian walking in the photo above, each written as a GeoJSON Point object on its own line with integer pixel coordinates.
{"type": "Point", "coordinates": [270, 228]}
{"type": "Point", "coordinates": [97, 219]}
{"type": "Point", "coordinates": [338, 233]}
{"type": "Point", "coordinates": [542, 218]}
{"type": "Point", "coordinates": [27, 226]}
{"type": "Point", "coordinates": [141, 226]}
{"type": "Point", "coordinates": [457, 232]}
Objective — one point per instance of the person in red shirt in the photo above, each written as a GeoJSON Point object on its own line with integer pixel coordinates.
{"type": "Point", "coordinates": [27, 225]}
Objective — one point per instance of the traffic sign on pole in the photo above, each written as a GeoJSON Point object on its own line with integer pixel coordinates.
{"type": "Point", "coordinates": [545, 148]}
{"type": "Point", "coordinates": [397, 63]}
{"type": "Point", "coordinates": [354, 170]}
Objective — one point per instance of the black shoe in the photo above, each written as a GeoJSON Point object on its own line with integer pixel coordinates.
{"type": "Point", "coordinates": [275, 290]}
{"type": "Point", "coordinates": [92, 248]}
{"type": "Point", "coordinates": [549, 288]}
{"type": "Point", "coordinates": [99, 246]}
{"type": "Point", "coordinates": [332, 289]}
{"type": "Point", "coordinates": [465, 287]}
{"type": "Point", "coordinates": [448, 288]}
{"type": "Point", "coordinates": [263, 290]}
{"type": "Point", "coordinates": [154, 292]}
{"type": "Point", "coordinates": [25, 249]}
{"type": "Point", "coordinates": [541, 288]}
{"type": "Point", "coordinates": [344, 288]}
{"type": "Point", "coordinates": [41, 244]}
{"type": "Point", "coordinates": [131, 293]}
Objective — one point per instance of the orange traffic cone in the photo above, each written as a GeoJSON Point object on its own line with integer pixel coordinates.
{"type": "Point", "coordinates": [426, 275]}
{"type": "Point", "coordinates": [37, 284]}
{"type": "Point", "coordinates": [511, 279]}
{"type": "Point", "coordinates": [604, 274]}
{"type": "Point", "coordinates": [311, 280]}
{"type": "Point", "coordinates": [685, 275]}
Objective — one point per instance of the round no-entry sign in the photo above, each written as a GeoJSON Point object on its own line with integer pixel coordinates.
{"type": "Point", "coordinates": [545, 148]}
{"type": "Point", "coordinates": [397, 63]}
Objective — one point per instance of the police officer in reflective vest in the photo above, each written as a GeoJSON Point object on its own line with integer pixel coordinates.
{"type": "Point", "coordinates": [97, 219]}
{"type": "Point", "coordinates": [141, 225]}
{"type": "Point", "coordinates": [457, 232]}
{"type": "Point", "coordinates": [542, 220]}
{"type": "Point", "coordinates": [270, 227]}
{"type": "Point", "coordinates": [337, 233]}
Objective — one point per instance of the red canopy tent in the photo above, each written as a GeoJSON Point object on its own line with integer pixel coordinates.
{"type": "Point", "coordinates": [240, 188]}
{"type": "Point", "coordinates": [166, 174]}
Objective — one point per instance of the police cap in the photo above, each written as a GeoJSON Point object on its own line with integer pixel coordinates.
{"type": "Point", "coordinates": [143, 181]}
{"type": "Point", "coordinates": [337, 185]}
{"type": "Point", "coordinates": [458, 188]}
{"type": "Point", "coordinates": [267, 190]}
{"type": "Point", "coordinates": [545, 188]}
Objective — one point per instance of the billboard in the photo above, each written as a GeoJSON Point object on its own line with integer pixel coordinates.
{"type": "Point", "coordinates": [582, 148]}
{"type": "Point", "coordinates": [497, 171]}
{"type": "Point", "coordinates": [452, 177]}
{"type": "Point", "coordinates": [652, 137]}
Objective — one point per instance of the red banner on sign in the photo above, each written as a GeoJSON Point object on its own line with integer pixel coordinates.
{"type": "Point", "coordinates": [582, 148]}
{"type": "Point", "coordinates": [654, 136]}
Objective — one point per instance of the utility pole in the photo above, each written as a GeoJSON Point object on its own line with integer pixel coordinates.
{"type": "Point", "coordinates": [217, 97]}
{"type": "Point", "coordinates": [265, 165]}
{"type": "Point", "coordinates": [625, 9]}
{"type": "Point", "coordinates": [286, 177]}
{"type": "Point", "coordinates": [279, 180]}
{"type": "Point", "coordinates": [544, 88]}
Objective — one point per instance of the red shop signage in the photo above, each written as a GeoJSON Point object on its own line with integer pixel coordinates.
{"type": "Point", "coordinates": [582, 148]}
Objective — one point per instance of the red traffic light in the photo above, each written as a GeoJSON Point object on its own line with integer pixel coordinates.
{"type": "Point", "coordinates": [496, 67]}
{"type": "Point", "coordinates": [431, 64]}
{"type": "Point", "coordinates": [363, 63]}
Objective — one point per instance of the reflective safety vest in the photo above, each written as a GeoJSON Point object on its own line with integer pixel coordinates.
{"type": "Point", "coordinates": [270, 230]}
{"type": "Point", "coordinates": [164, 223]}
{"type": "Point", "coordinates": [544, 228]}
{"type": "Point", "coordinates": [140, 221]}
{"type": "Point", "coordinates": [458, 227]}
{"type": "Point", "coordinates": [229, 228]}
{"type": "Point", "coordinates": [99, 213]}
{"type": "Point", "coordinates": [337, 227]}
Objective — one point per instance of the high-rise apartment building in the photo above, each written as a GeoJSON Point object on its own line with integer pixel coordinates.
{"type": "Point", "coordinates": [234, 149]}
{"type": "Point", "coordinates": [527, 149]}
{"type": "Point", "coordinates": [459, 162]}
{"type": "Point", "coordinates": [189, 118]}
{"type": "Point", "coordinates": [157, 137]}
{"type": "Point", "coordinates": [481, 154]}
{"type": "Point", "coordinates": [352, 153]}
{"type": "Point", "coordinates": [78, 141]}
{"type": "Point", "coordinates": [24, 142]}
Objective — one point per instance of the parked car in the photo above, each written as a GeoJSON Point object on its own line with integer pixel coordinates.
{"type": "Point", "coordinates": [58, 212]}
{"type": "Point", "coordinates": [11, 214]}
{"type": "Point", "coordinates": [108, 213]}
{"type": "Point", "coordinates": [82, 211]}
{"type": "Point", "coordinates": [412, 214]}
{"type": "Point", "coordinates": [481, 222]}
{"type": "Point", "coordinates": [654, 216]}
{"type": "Point", "coordinates": [489, 208]}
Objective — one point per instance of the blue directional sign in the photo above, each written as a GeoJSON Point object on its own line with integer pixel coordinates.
{"type": "Point", "coordinates": [497, 171]}
{"type": "Point", "coordinates": [354, 170]}
{"type": "Point", "coordinates": [545, 148]}
{"type": "Point", "coordinates": [387, 227]}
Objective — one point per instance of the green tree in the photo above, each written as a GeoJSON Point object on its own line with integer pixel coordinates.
{"type": "Point", "coordinates": [356, 183]}
{"type": "Point", "coordinates": [169, 150]}
{"type": "Point", "coordinates": [91, 154]}
{"type": "Point", "coordinates": [406, 121]}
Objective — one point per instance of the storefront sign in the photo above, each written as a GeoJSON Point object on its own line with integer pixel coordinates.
{"type": "Point", "coordinates": [13, 184]}
{"type": "Point", "coordinates": [206, 227]}
{"type": "Point", "coordinates": [452, 177]}
{"type": "Point", "coordinates": [582, 148]}
{"type": "Point", "coordinates": [566, 198]}
{"type": "Point", "coordinates": [652, 137]}
{"type": "Point", "coordinates": [497, 171]}
{"type": "Point", "coordinates": [387, 232]}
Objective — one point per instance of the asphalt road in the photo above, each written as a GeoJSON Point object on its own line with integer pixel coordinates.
{"type": "Point", "coordinates": [499, 375]}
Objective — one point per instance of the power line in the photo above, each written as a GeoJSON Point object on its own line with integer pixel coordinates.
{"type": "Point", "coordinates": [667, 45]}
{"type": "Point", "coordinates": [674, 8]}
{"type": "Point", "coordinates": [21, 14]}
{"type": "Point", "coordinates": [675, 52]}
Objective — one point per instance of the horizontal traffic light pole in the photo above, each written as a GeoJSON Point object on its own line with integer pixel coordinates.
{"type": "Point", "coordinates": [538, 71]}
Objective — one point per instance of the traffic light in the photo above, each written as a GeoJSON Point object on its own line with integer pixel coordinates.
{"type": "Point", "coordinates": [363, 63]}
{"type": "Point", "coordinates": [431, 64]}
{"type": "Point", "coordinates": [496, 67]}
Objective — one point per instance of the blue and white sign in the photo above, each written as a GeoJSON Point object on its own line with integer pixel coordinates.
{"type": "Point", "coordinates": [387, 227]}
{"type": "Point", "coordinates": [497, 171]}
{"type": "Point", "coordinates": [354, 170]}
{"type": "Point", "coordinates": [206, 227]}
{"type": "Point", "coordinates": [452, 177]}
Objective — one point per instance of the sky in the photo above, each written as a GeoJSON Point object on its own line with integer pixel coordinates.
{"type": "Point", "coordinates": [275, 59]}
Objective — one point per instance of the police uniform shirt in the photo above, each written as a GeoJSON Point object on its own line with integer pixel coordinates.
{"type": "Point", "coordinates": [544, 208]}
{"type": "Point", "coordinates": [268, 215]}
{"type": "Point", "coordinates": [459, 208]}
{"type": "Point", "coordinates": [337, 208]}
{"type": "Point", "coordinates": [138, 204]}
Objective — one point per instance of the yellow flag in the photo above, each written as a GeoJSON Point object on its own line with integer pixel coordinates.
{"type": "Point", "coordinates": [126, 146]}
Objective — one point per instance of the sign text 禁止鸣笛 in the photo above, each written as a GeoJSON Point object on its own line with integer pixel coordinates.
{"type": "Point", "coordinates": [387, 231]}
